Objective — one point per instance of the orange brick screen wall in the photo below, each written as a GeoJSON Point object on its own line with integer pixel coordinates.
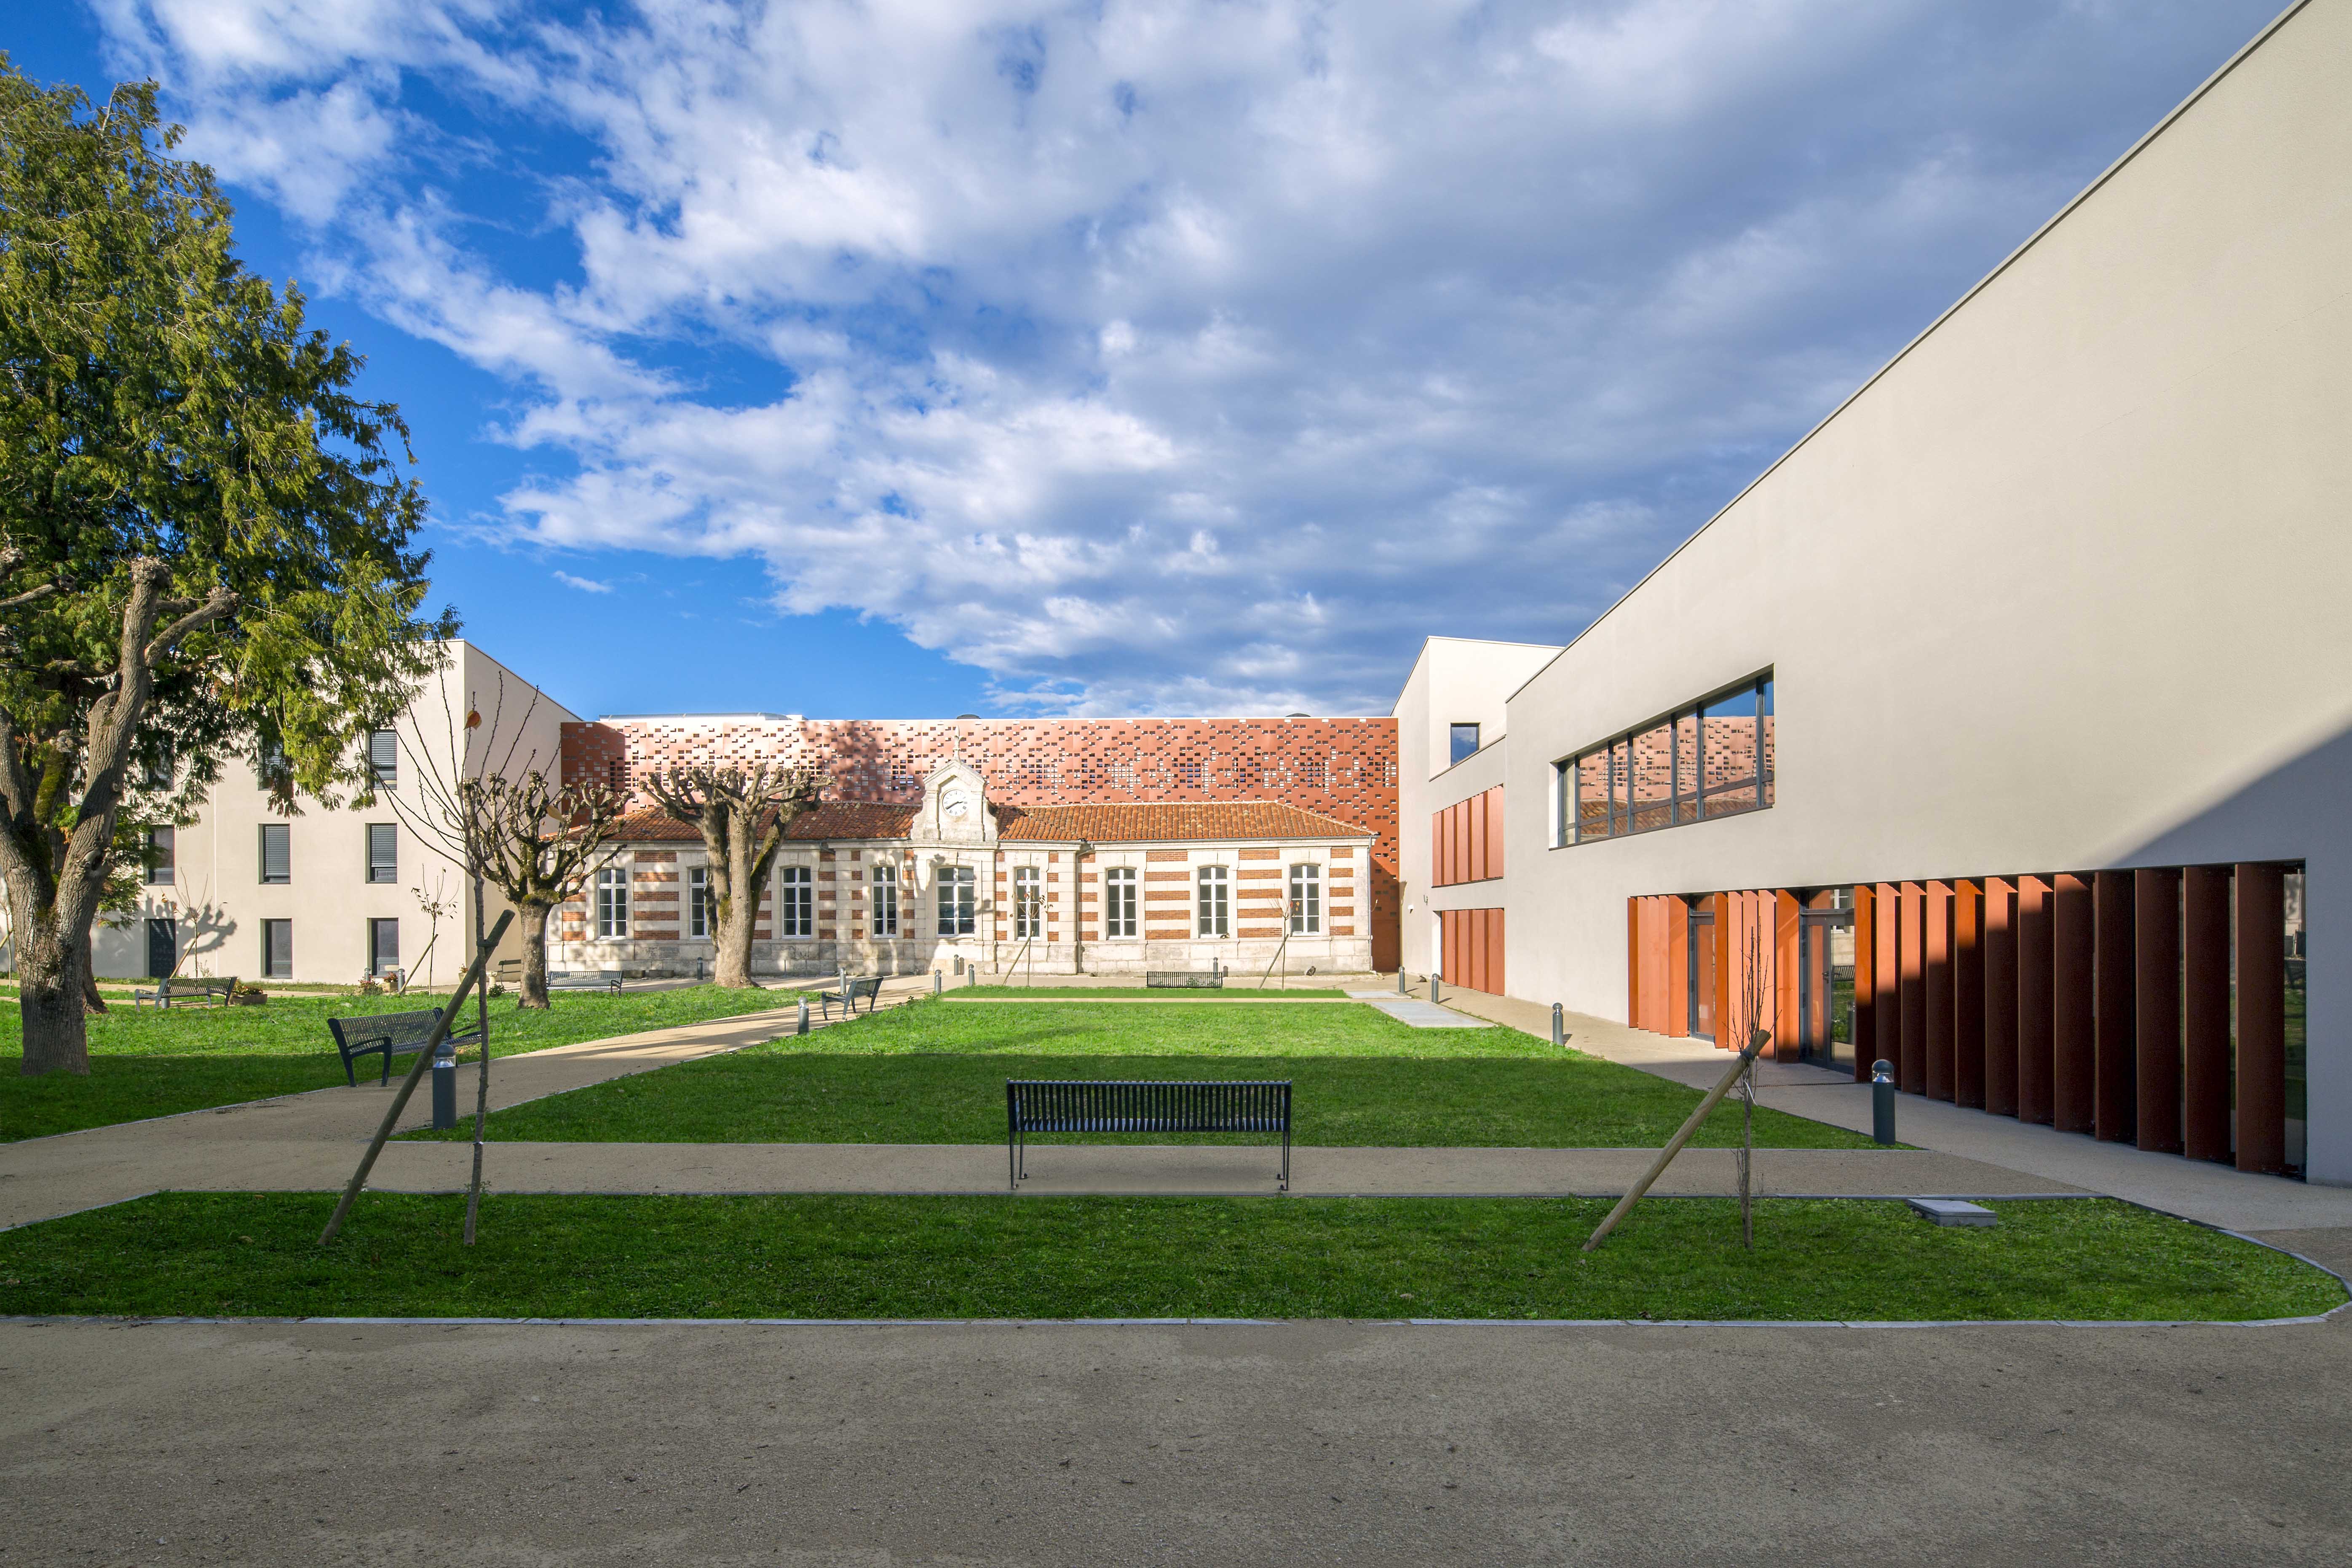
{"type": "Point", "coordinates": [1345, 768]}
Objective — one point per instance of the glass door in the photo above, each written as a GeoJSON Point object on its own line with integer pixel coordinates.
{"type": "Point", "coordinates": [1825, 984]}
{"type": "Point", "coordinates": [1702, 971]}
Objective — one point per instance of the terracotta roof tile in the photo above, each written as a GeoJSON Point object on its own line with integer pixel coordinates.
{"type": "Point", "coordinates": [1106, 822]}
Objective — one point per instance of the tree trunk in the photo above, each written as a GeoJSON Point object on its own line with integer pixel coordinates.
{"type": "Point", "coordinates": [732, 966]}
{"type": "Point", "coordinates": [533, 989]}
{"type": "Point", "coordinates": [91, 1002]}
{"type": "Point", "coordinates": [49, 1001]}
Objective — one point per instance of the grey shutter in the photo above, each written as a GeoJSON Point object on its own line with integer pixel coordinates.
{"type": "Point", "coordinates": [383, 757]}
{"type": "Point", "coordinates": [383, 852]}
{"type": "Point", "coordinates": [277, 858]}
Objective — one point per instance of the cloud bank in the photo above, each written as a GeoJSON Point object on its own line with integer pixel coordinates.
{"type": "Point", "coordinates": [1169, 356]}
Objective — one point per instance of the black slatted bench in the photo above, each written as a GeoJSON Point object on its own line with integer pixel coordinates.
{"type": "Point", "coordinates": [388, 1034]}
{"type": "Point", "coordinates": [1045, 1105]}
{"type": "Point", "coordinates": [1184, 979]}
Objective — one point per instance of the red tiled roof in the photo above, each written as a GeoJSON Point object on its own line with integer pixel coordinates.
{"type": "Point", "coordinates": [1139, 822]}
{"type": "Point", "coordinates": [1106, 822]}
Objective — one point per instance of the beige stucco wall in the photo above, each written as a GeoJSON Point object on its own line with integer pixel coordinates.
{"type": "Point", "coordinates": [219, 900]}
{"type": "Point", "coordinates": [2062, 587]}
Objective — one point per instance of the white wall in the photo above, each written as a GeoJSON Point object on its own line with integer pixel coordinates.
{"type": "Point", "coordinates": [2062, 588]}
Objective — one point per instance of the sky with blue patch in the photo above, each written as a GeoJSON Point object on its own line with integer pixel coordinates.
{"type": "Point", "coordinates": [906, 359]}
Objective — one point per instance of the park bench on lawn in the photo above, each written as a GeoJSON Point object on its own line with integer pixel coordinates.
{"type": "Point", "coordinates": [170, 992]}
{"type": "Point", "coordinates": [388, 1034]}
{"type": "Point", "coordinates": [1184, 979]}
{"type": "Point", "coordinates": [1040, 1105]}
{"type": "Point", "coordinates": [584, 979]}
{"type": "Point", "coordinates": [853, 986]}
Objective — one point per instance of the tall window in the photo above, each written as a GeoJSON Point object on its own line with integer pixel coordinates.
{"type": "Point", "coordinates": [1028, 902]}
{"type": "Point", "coordinates": [1306, 899]}
{"type": "Point", "coordinates": [612, 901]}
{"type": "Point", "coordinates": [383, 852]}
{"type": "Point", "coordinates": [1466, 742]}
{"type": "Point", "coordinates": [383, 757]}
{"type": "Point", "coordinates": [159, 846]}
{"type": "Point", "coordinates": [1216, 900]}
{"type": "Point", "coordinates": [1119, 901]}
{"type": "Point", "coordinates": [885, 901]}
{"type": "Point", "coordinates": [796, 902]}
{"type": "Point", "coordinates": [277, 950]}
{"type": "Point", "coordinates": [1712, 759]}
{"type": "Point", "coordinates": [957, 900]}
{"type": "Point", "coordinates": [276, 852]}
{"type": "Point", "coordinates": [698, 903]}
{"type": "Point", "coordinates": [383, 946]}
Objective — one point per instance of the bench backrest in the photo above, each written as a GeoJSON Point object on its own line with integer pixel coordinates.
{"type": "Point", "coordinates": [1184, 979]}
{"type": "Point", "coordinates": [1045, 1105]}
{"type": "Point", "coordinates": [178, 987]}
{"type": "Point", "coordinates": [407, 1031]}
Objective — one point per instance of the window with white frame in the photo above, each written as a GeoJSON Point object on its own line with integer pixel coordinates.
{"type": "Point", "coordinates": [383, 757]}
{"type": "Point", "coordinates": [698, 903]}
{"type": "Point", "coordinates": [1028, 902]}
{"type": "Point", "coordinates": [1119, 901]}
{"type": "Point", "coordinates": [796, 902]}
{"type": "Point", "coordinates": [1215, 901]}
{"type": "Point", "coordinates": [958, 900]}
{"type": "Point", "coordinates": [1306, 899]}
{"type": "Point", "coordinates": [612, 901]}
{"type": "Point", "coordinates": [886, 900]}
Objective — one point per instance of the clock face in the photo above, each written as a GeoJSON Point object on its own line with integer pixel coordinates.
{"type": "Point", "coordinates": [953, 807]}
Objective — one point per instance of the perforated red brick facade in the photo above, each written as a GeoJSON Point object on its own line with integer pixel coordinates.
{"type": "Point", "coordinates": [1344, 768]}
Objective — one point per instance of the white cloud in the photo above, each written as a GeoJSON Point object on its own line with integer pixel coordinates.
{"type": "Point", "coordinates": [1165, 355]}
{"type": "Point", "coordinates": [585, 585]}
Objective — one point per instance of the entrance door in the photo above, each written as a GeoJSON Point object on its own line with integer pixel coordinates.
{"type": "Point", "coordinates": [1701, 972]}
{"type": "Point", "coordinates": [162, 947]}
{"type": "Point", "coordinates": [1825, 985]}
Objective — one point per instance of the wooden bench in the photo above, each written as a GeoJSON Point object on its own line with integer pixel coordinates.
{"type": "Point", "coordinates": [388, 1034]}
{"type": "Point", "coordinates": [169, 992]}
{"type": "Point", "coordinates": [868, 986]}
{"type": "Point", "coordinates": [1043, 1105]}
{"type": "Point", "coordinates": [1185, 979]}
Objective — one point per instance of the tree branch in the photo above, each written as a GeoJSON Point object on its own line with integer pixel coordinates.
{"type": "Point", "coordinates": [217, 603]}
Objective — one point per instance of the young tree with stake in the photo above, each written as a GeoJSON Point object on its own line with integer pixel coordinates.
{"type": "Point", "coordinates": [743, 814]}
{"type": "Point", "coordinates": [205, 542]}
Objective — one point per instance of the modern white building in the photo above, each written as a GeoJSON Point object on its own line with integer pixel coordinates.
{"type": "Point", "coordinates": [2002, 729]}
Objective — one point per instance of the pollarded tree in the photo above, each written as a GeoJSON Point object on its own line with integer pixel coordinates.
{"type": "Point", "coordinates": [538, 845]}
{"type": "Point", "coordinates": [743, 814]}
{"type": "Point", "coordinates": [205, 542]}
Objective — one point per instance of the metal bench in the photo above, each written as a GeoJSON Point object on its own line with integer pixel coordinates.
{"type": "Point", "coordinates": [1042, 1105]}
{"type": "Point", "coordinates": [172, 992]}
{"type": "Point", "coordinates": [1185, 979]}
{"type": "Point", "coordinates": [584, 979]}
{"type": "Point", "coordinates": [388, 1034]}
{"type": "Point", "coordinates": [852, 988]}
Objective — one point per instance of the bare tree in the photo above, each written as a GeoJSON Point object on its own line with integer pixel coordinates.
{"type": "Point", "coordinates": [539, 843]}
{"type": "Point", "coordinates": [743, 814]}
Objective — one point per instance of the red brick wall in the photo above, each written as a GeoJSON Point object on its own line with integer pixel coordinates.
{"type": "Point", "coordinates": [1344, 768]}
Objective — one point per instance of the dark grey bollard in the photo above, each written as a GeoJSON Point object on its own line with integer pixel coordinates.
{"type": "Point", "coordinates": [972, 977]}
{"type": "Point", "coordinates": [1434, 994]}
{"type": "Point", "coordinates": [1881, 1102]}
{"type": "Point", "coordinates": [1400, 990]}
{"type": "Point", "coordinates": [939, 982]}
{"type": "Point", "coordinates": [803, 1029]}
{"type": "Point", "coordinates": [1559, 1027]}
{"type": "Point", "coordinates": [445, 1088]}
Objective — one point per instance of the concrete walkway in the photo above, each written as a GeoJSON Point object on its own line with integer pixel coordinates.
{"type": "Point", "coordinates": [2194, 1189]}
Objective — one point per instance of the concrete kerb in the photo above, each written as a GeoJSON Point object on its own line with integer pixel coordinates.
{"type": "Point", "coordinates": [1018, 1324]}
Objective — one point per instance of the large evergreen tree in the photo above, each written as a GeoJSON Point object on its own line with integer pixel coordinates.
{"type": "Point", "coordinates": [206, 540]}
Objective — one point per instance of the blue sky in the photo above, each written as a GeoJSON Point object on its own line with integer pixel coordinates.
{"type": "Point", "coordinates": [904, 359]}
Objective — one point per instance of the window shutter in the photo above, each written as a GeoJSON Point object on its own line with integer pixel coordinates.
{"type": "Point", "coordinates": [384, 756]}
{"type": "Point", "coordinates": [383, 852]}
{"type": "Point", "coordinates": [276, 861]}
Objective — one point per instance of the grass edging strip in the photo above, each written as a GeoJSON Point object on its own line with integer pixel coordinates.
{"type": "Point", "coordinates": [38, 1319]}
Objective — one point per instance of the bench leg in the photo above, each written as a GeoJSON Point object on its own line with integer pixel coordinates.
{"type": "Point", "coordinates": [1286, 1157]}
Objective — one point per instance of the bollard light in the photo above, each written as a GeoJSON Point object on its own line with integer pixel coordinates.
{"type": "Point", "coordinates": [1881, 1102]}
{"type": "Point", "coordinates": [1434, 994]}
{"type": "Point", "coordinates": [804, 1024]}
{"type": "Point", "coordinates": [972, 977]}
{"type": "Point", "coordinates": [445, 1088]}
{"type": "Point", "coordinates": [1401, 990]}
{"type": "Point", "coordinates": [939, 983]}
{"type": "Point", "coordinates": [1559, 1027]}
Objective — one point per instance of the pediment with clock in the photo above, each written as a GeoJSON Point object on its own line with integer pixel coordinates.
{"type": "Point", "coordinates": [955, 807]}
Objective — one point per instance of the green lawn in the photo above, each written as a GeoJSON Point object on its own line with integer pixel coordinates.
{"type": "Point", "coordinates": [932, 1074]}
{"type": "Point", "coordinates": [150, 1062]}
{"type": "Point", "coordinates": [812, 1256]}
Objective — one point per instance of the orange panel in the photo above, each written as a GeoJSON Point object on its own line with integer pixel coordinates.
{"type": "Point", "coordinates": [1633, 962]}
{"type": "Point", "coordinates": [2074, 1039]}
{"type": "Point", "coordinates": [1495, 950]}
{"type": "Point", "coordinates": [1477, 804]}
{"type": "Point", "coordinates": [1866, 980]}
{"type": "Point", "coordinates": [1787, 1019]}
{"type": "Point", "coordinates": [1889, 961]}
{"type": "Point", "coordinates": [1462, 842]}
{"type": "Point", "coordinates": [1675, 980]}
{"type": "Point", "coordinates": [1967, 995]}
{"type": "Point", "coordinates": [2261, 1018]}
{"type": "Point", "coordinates": [1495, 831]}
{"type": "Point", "coordinates": [1936, 972]}
{"type": "Point", "coordinates": [2205, 988]}
{"type": "Point", "coordinates": [1474, 937]}
{"type": "Point", "coordinates": [1999, 943]}
{"type": "Point", "coordinates": [1437, 849]}
{"type": "Point", "coordinates": [2115, 1016]}
{"type": "Point", "coordinates": [1723, 968]}
{"type": "Point", "coordinates": [2037, 1015]}
{"type": "Point", "coordinates": [2156, 992]}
